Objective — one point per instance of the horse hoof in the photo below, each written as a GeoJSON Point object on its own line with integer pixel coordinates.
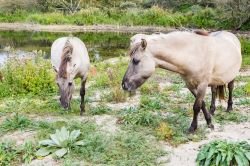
{"type": "Point", "coordinates": [229, 109]}
{"type": "Point", "coordinates": [211, 112]}
{"type": "Point", "coordinates": [191, 130]}
{"type": "Point", "coordinates": [211, 126]}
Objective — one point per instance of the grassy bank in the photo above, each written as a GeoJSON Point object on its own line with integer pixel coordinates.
{"type": "Point", "coordinates": [156, 16]}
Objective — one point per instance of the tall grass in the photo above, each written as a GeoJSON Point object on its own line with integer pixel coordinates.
{"type": "Point", "coordinates": [200, 18]}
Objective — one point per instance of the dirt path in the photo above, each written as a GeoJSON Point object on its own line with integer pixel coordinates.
{"type": "Point", "coordinates": [186, 154]}
{"type": "Point", "coordinates": [96, 28]}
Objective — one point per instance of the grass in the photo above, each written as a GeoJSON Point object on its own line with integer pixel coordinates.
{"type": "Point", "coordinates": [204, 17]}
{"type": "Point", "coordinates": [16, 122]}
{"type": "Point", "coordinates": [223, 117]}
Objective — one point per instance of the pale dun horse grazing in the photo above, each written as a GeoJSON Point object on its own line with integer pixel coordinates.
{"type": "Point", "coordinates": [70, 60]}
{"type": "Point", "coordinates": [201, 60]}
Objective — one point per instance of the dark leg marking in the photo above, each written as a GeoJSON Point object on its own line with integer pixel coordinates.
{"type": "Point", "coordinates": [230, 97]}
{"type": "Point", "coordinates": [82, 94]}
{"type": "Point", "coordinates": [212, 106]}
{"type": "Point", "coordinates": [198, 105]}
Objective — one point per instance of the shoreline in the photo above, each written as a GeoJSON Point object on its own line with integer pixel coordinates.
{"type": "Point", "coordinates": [96, 28]}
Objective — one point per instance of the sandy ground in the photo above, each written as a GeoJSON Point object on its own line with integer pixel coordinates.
{"type": "Point", "coordinates": [186, 154]}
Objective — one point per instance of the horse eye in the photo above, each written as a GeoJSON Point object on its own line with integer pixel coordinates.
{"type": "Point", "coordinates": [70, 83]}
{"type": "Point", "coordinates": [135, 61]}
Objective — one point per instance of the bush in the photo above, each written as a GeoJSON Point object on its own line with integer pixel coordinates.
{"type": "Point", "coordinates": [224, 153]}
{"type": "Point", "coordinates": [27, 76]}
{"type": "Point", "coordinates": [127, 5]}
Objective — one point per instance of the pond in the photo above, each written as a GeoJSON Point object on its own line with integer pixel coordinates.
{"type": "Point", "coordinates": [100, 45]}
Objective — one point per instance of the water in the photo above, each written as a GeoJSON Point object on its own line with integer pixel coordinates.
{"type": "Point", "coordinates": [100, 45]}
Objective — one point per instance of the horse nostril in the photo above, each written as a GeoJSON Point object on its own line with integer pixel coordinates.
{"type": "Point", "coordinates": [124, 87]}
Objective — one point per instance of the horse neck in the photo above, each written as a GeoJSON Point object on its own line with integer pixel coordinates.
{"type": "Point", "coordinates": [167, 55]}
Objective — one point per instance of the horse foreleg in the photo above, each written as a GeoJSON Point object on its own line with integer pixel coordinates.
{"type": "Point", "coordinates": [204, 110]}
{"type": "Point", "coordinates": [212, 106]}
{"type": "Point", "coordinates": [198, 104]}
{"type": "Point", "coordinates": [230, 97]}
{"type": "Point", "coordinates": [82, 94]}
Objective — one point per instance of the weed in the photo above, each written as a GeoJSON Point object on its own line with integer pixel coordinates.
{"type": "Point", "coordinates": [150, 103]}
{"type": "Point", "coordinates": [233, 116]}
{"type": "Point", "coordinates": [164, 132]}
{"type": "Point", "coordinates": [8, 153]}
{"type": "Point", "coordinates": [102, 109]}
{"type": "Point", "coordinates": [16, 122]}
{"type": "Point", "coordinates": [27, 151]}
{"type": "Point", "coordinates": [139, 117]}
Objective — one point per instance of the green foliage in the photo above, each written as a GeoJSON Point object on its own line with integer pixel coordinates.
{"type": "Point", "coordinates": [10, 154]}
{"type": "Point", "coordinates": [60, 143]}
{"type": "Point", "coordinates": [102, 109]}
{"type": "Point", "coordinates": [234, 116]}
{"type": "Point", "coordinates": [141, 117]}
{"type": "Point", "coordinates": [27, 151]}
{"type": "Point", "coordinates": [14, 123]}
{"type": "Point", "coordinates": [164, 132]}
{"type": "Point", "coordinates": [150, 103]}
{"type": "Point", "coordinates": [27, 76]}
{"type": "Point", "coordinates": [127, 5]}
{"type": "Point", "coordinates": [224, 153]}
{"type": "Point", "coordinates": [245, 47]}
{"type": "Point", "coordinates": [7, 153]}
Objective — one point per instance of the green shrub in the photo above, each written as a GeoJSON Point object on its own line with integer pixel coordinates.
{"type": "Point", "coordinates": [224, 153]}
{"type": "Point", "coordinates": [8, 153]}
{"type": "Point", "coordinates": [14, 123]}
{"type": "Point", "coordinates": [127, 5]}
{"type": "Point", "coordinates": [150, 103]}
{"type": "Point", "coordinates": [141, 117]}
{"type": "Point", "coordinates": [99, 110]}
{"type": "Point", "coordinates": [27, 76]}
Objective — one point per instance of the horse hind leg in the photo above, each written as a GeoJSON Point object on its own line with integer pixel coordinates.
{"type": "Point", "coordinates": [230, 96]}
{"type": "Point", "coordinates": [82, 94]}
{"type": "Point", "coordinates": [213, 99]}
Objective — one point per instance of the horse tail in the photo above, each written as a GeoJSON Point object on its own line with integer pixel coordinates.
{"type": "Point", "coordinates": [65, 58]}
{"type": "Point", "coordinates": [221, 92]}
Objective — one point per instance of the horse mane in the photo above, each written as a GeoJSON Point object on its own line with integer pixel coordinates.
{"type": "Point", "coordinates": [66, 57]}
{"type": "Point", "coordinates": [134, 49]}
{"type": "Point", "coordinates": [203, 33]}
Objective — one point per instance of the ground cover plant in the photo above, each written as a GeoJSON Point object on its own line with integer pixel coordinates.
{"type": "Point", "coordinates": [60, 143]}
{"type": "Point", "coordinates": [224, 153]}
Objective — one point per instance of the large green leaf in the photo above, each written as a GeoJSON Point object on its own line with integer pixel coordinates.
{"type": "Point", "coordinates": [218, 159]}
{"type": "Point", "coordinates": [64, 133]}
{"type": "Point", "coordinates": [43, 152]}
{"type": "Point", "coordinates": [61, 152]}
{"type": "Point", "coordinates": [47, 142]}
{"type": "Point", "coordinates": [55, 139]}
{"type": "Point", "coordinates": [74, 134]}
{"type": "Point", "coordinates": [248, 155]}
{"type": "Point", "coordinates": [239, 161]}
{"type": "Point", "coordinates": [242, 157]}
{"type": "Point", "coordinates": [229, 157]}
{"type": "Point", "coordinates": [81, 143]}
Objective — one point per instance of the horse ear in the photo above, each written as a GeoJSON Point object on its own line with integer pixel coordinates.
{"type": "Point", "coordinates": [143, 44]}
{"type": "Point", "coordinates": [55, 69]}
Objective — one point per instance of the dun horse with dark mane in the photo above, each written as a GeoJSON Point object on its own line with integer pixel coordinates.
{"type": "Point", "coordinates": [201, 59]}
{"type": "Point", "coordinates": [70, 60]}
